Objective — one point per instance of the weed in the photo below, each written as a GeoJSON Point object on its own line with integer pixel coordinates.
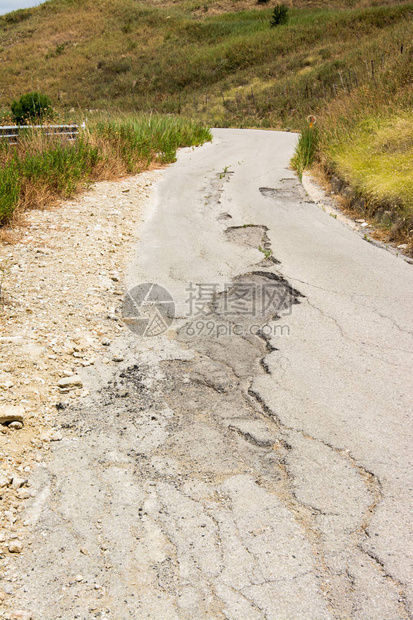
{"type": "Point", "coordinates": [267, 253]}
{"type": "Point", "coordinates": [223, 174]}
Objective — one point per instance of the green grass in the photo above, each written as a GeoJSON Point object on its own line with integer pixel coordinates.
{"type": "Point", "coordinates": [376, 159]}
{"type": "Point", "coordinates": [141, 140]}
{"type": "Point", "coordinates": [365, 131]}
{"type": "Point", "coordinates": [41, 169]}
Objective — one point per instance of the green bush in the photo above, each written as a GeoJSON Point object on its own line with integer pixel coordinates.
{"type": "Point", "coordinates": [32, 107]}
{"type": "Point", "coordinates": [279, 15]}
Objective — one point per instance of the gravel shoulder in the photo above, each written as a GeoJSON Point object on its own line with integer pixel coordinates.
{"type": "Point", "coordinates": [60, 291]}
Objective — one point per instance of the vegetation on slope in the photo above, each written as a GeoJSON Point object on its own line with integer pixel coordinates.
{"type": "Point", "coordinates": [366, 140]}
{"type": "Point", "coordinates": [227, 69]}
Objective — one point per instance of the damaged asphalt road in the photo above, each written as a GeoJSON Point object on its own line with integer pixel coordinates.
{"type": "Point", "coordinates": [223, 469]}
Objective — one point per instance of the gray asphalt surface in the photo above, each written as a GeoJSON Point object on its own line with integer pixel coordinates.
{"type": "Point", "coordinates": [228, 470]}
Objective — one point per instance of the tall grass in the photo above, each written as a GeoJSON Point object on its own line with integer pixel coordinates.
{"type": "Point", "coordinates": [378, 161]}
{"type": "Point", "coordinates": [42, 169]}
{"type": "Point", "coordinates": [306, 149]}
{"type": "Point", "coordinates": [136, 142]}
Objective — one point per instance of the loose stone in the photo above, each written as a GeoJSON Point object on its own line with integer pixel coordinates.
{"type": "Point", "coordinates": [70, 382]}
{"type": "Point", "coordinates": [11, 413]}
{"type": "Point", "coordinates": [15, 546]}
{"type": "Point", "coordinates": [16, 426]}
{"type": "Point", "coordinates": [19, 614]}
{"type": "Point", "coordinates": [18, 482]}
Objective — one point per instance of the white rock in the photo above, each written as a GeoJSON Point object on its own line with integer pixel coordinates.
{"type": "Point", "coordinates": [364, 225]}
{"type": "Point", "coordinates": [11, 413]}
{"type": "Point", "coordinates": [403, 246]}
{"type": "Point", "coordinates": [79, 578]}
{"type": "Point", "coordinates": [15, 546]}
{"type": "Point", "coordinates": [70, 382]}
{"type": "Point", "coordinates": [55, 436]}
{"type": "Point", "coordinates": [6, 384]}
{"type": "Point", "coordinates": [5, 480]}
{"type": "Point", "coordinates": [16, 426]}
{"type": "Point", "coordinates": [18, 482]}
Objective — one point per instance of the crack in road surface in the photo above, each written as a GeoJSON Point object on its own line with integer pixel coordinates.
{"type": "Point", "coordinates": [240, 470]}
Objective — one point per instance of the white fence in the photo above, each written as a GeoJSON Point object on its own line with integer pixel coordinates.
{"type": "Point", "coordinates": [12, 133]}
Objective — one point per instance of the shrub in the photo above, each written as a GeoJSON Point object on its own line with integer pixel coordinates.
{"type": "Point", "coordinates": [31, 107]}
{"type": "Point", "coordinates": [279, 15]}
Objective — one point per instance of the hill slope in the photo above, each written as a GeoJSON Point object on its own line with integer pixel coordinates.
{"type": "Point", "coordinates": [198, 58]}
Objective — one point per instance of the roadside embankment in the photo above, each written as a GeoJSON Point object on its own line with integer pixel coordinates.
{"type": "Point", "coordinates": [363, 146]}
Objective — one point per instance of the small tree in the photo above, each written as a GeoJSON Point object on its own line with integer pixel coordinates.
{"type": "Point", "coordinates": [31, 107]}
{"type": "Point", "coordinates": [279, 15]}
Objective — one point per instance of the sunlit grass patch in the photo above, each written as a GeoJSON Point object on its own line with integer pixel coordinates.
{"type": "Point", "coordinates": [377, 159]}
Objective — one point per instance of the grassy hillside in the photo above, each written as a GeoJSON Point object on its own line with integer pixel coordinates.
{"type": "Point", "coordinates": [348, 62]}
{"type": "Point", "coordinates": [227, 68]}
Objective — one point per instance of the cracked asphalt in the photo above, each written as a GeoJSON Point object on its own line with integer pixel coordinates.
{"type": "Point", "coordinates": [245, 464]}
